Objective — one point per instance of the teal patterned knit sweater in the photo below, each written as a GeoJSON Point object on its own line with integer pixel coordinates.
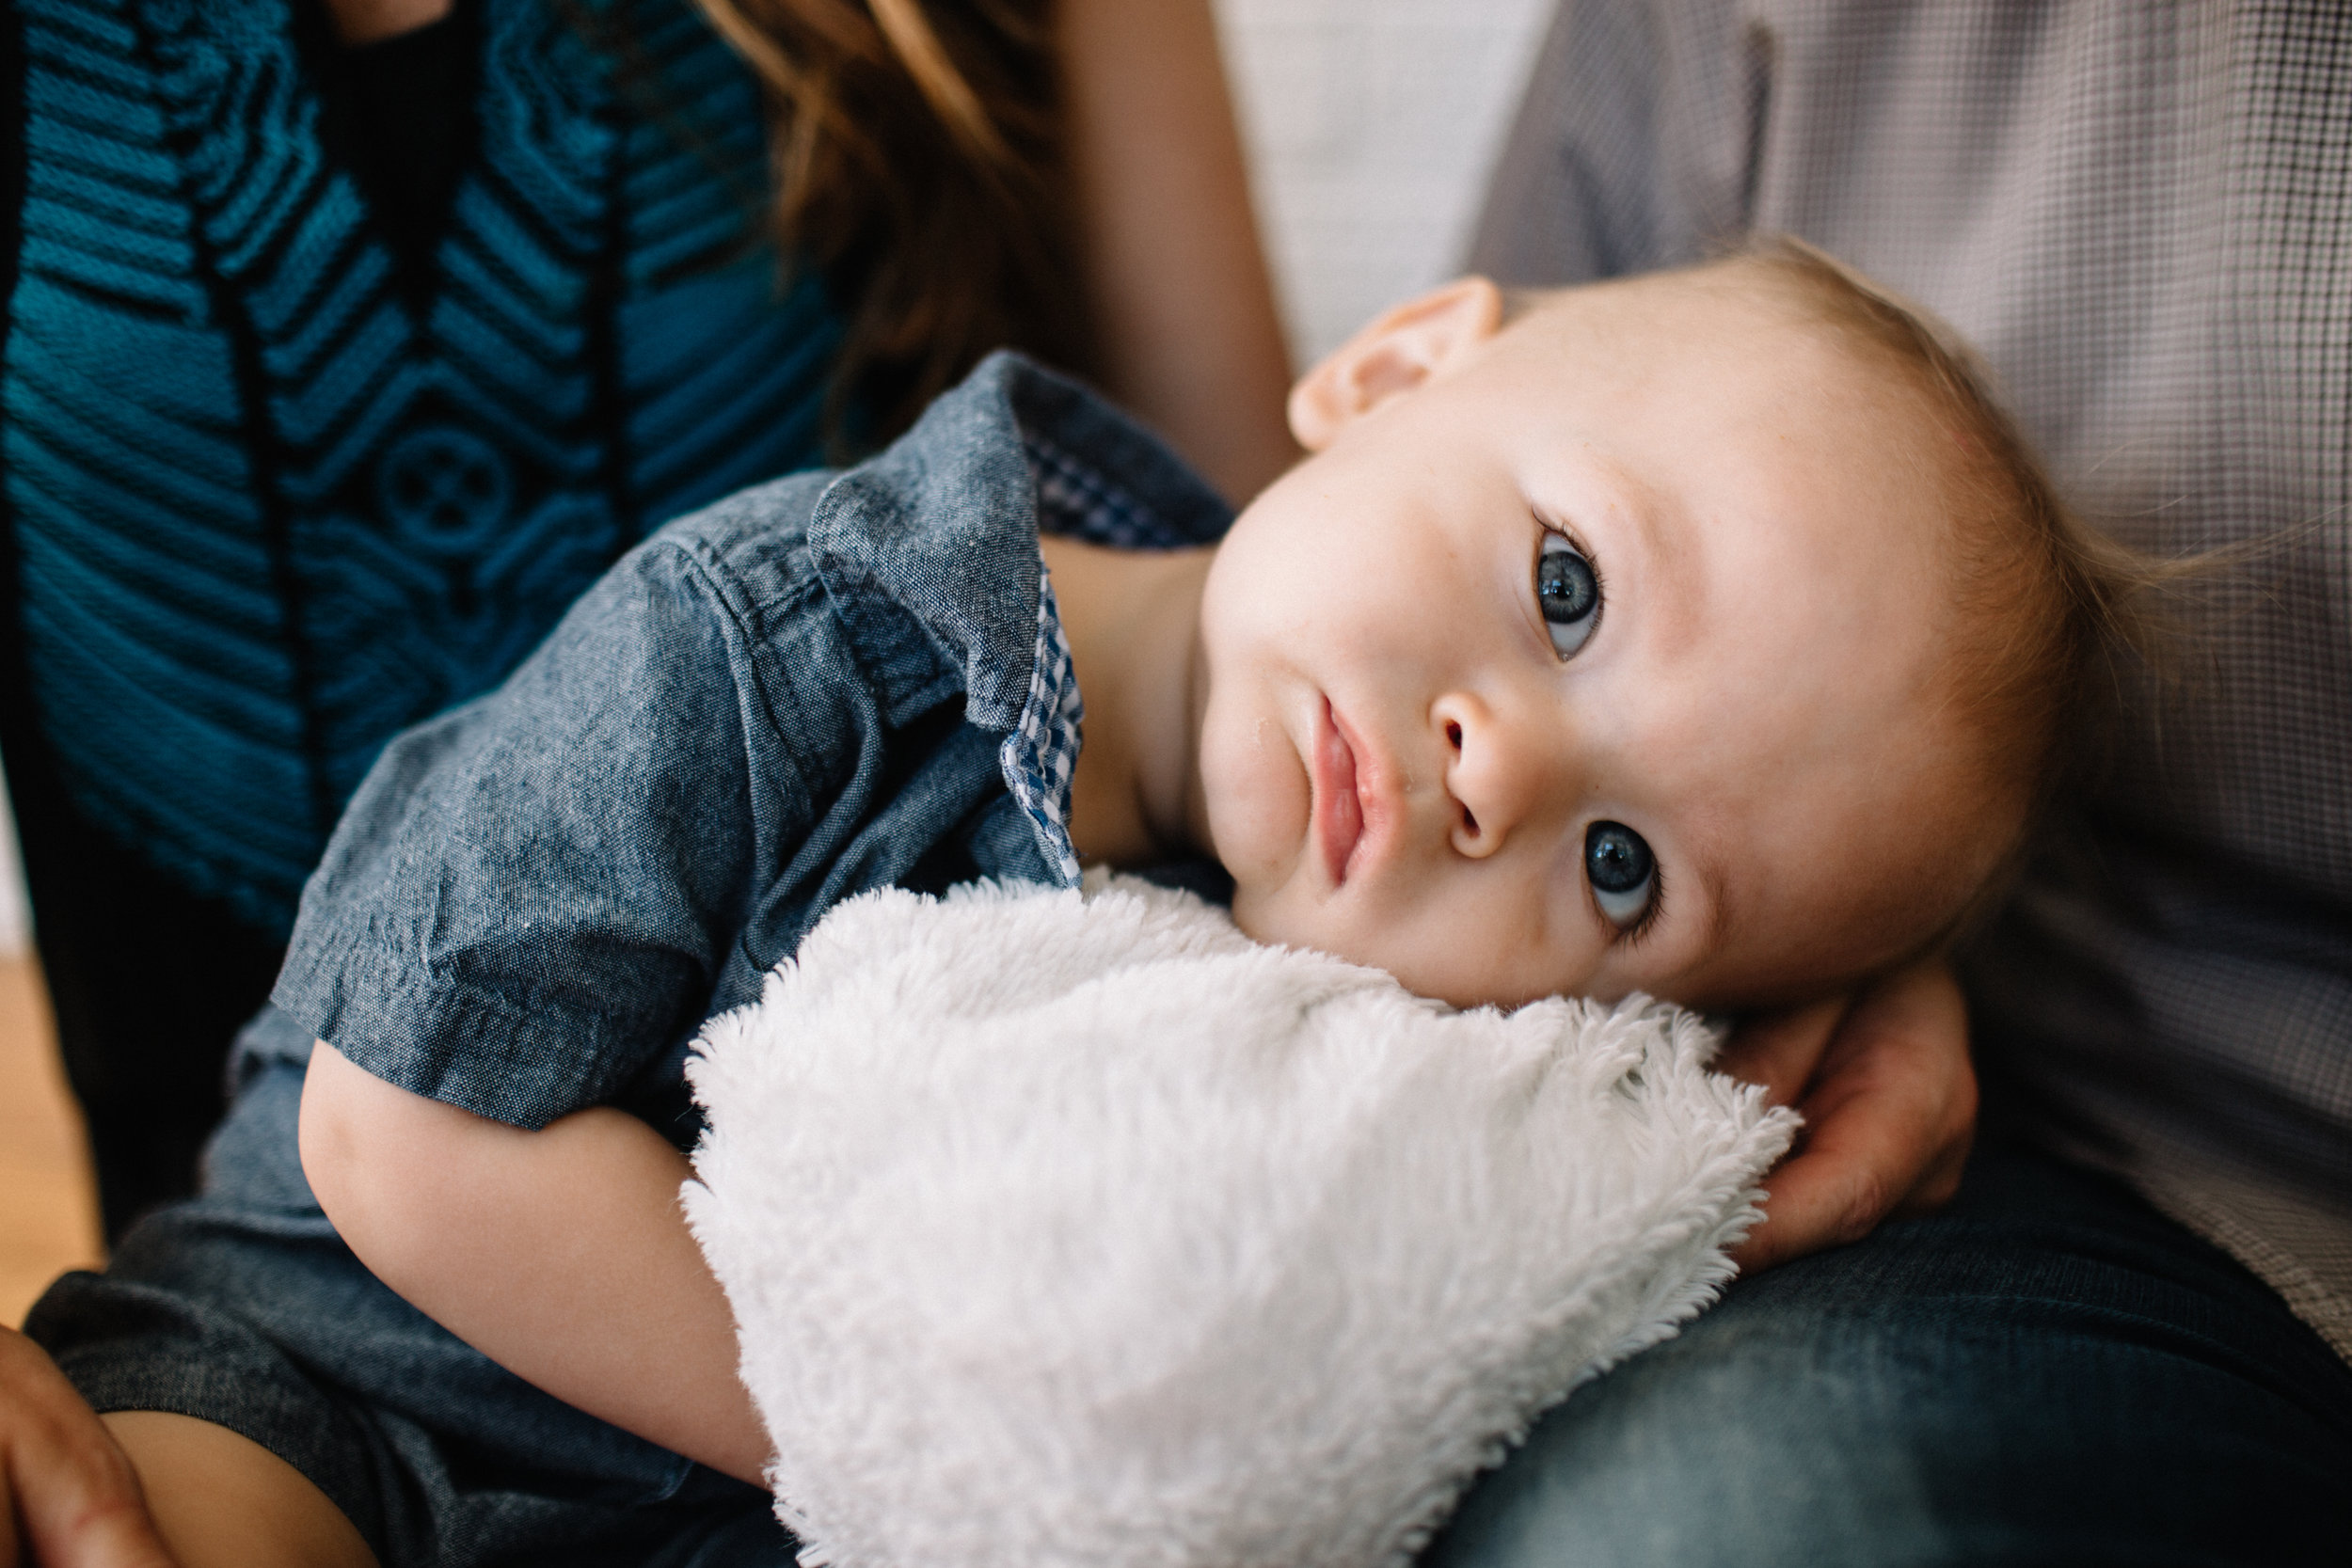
{"type": "Point", "coordinates": [272, 494]}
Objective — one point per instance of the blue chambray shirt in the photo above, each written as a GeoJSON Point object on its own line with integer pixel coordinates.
{"type": "Point", "coordinates": [823, 685]}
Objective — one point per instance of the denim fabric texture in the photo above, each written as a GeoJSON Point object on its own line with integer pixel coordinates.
{"type": "Point", "coordinates": [2047, 1372]}
{"type": "Point", "coordinates": [821, 686]}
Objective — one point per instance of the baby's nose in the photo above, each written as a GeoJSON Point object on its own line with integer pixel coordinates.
{"type": "Point", "coordinates": [1493, 776]}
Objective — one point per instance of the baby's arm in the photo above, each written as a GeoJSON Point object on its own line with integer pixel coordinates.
{"type": "Point", "coordinates": [526, 902]}
{"type": "Point", "coordinates": [1888, 1093]}
{"type": "Point", "coordinates": [563, 1254]}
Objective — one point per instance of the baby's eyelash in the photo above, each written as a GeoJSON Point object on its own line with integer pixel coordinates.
{"type": "Point", "coordinates": [1630, 937]}
{"type": "Point", "coordinates": [1561, 532]}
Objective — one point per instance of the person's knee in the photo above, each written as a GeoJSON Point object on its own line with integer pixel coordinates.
{"type": "Point", "coordinates": [2014, 1381]}
{"type": "Point", "coordinates": [1723, 1448]}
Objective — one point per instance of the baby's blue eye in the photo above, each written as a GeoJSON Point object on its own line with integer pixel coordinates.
{"type": "Point", "coordinates": [1622, 872]}
{"type": "Point", "coordinates": [1568, 593]}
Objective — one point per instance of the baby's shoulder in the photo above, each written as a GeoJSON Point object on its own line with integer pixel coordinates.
{"type": "Point", "coordinates": [753, 545]}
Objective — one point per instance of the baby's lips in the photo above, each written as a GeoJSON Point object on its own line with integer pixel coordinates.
{"type": "Point", "coordinates": [1339, 812]}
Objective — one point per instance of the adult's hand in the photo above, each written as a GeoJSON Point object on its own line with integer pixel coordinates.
{"type": "Point", "coordinates": [74, 1496]}
{"type": "Point", "coordinates": [1889, 1098]}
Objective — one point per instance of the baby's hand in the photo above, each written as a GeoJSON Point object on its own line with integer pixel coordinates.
{"type": "Point", "coordinates": [1889, 1098]}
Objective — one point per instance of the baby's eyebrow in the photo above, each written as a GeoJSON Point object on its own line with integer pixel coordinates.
{"type": "Point", "coordinates": [1656, 538]}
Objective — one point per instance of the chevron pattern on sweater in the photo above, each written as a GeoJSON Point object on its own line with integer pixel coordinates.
{"type": "Point", "coordinates": [270, 507]}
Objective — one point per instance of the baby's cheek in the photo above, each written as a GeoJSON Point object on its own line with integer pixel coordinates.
{"type": "Point", "coordinates": [1463, 965]}
{"type": "Point", "coordinates": [1286, 915]}
{"type": "Point", "coordinates": [1257, 821]}
{"type": "Point", "coordinates": [1489, 952]}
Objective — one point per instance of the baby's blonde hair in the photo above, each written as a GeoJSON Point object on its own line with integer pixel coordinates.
{"type": "Point", "coordinates": [2047, 614]}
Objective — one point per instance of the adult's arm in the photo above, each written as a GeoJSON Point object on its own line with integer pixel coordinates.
{"type": "Point", "coordinates": [1888, 1093]}
{"type": "Point", "coordinates": [1182, 307]}
{"type": "Point", "coordinates": [71, 1493]}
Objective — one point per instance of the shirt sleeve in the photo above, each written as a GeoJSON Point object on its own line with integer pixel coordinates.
{"type": "Point", "coordinates": [529, 898]}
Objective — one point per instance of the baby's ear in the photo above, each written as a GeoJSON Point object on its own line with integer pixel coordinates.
{"type": "Point", "coordinates": [1406, 346]}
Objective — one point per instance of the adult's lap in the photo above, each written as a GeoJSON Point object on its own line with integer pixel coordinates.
{"type": "Point", "coordinates": [2048, 1371]}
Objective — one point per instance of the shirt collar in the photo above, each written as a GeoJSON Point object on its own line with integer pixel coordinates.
{"type": "Point", "coordinates": [942, 527]}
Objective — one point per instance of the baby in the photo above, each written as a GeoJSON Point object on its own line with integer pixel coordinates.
{"type": "Point", "coordinates": [1703, 634]}
{"type": "Point", "coordinates": [1710, 634]}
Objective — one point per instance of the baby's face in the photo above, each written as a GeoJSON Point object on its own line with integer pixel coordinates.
{"type": "Point", "coordinates": [1593, 655]}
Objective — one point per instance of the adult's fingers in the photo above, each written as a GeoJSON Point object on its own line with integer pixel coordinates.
{"type": "Point", "coordinates": [1780, 1048]}
{"type": "Point", "coordinates": [1890, 1113]}
{"type": "Point", "coordinates": [73, 1496]}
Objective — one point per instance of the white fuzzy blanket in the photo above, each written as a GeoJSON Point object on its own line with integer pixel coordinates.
{"type": "Point", "coordinates": [1072, 1230]}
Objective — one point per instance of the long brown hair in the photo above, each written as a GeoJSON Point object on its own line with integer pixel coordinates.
{"type": "Point", "coordinates": [918, 159]}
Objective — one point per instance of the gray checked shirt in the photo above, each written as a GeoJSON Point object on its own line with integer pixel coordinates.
{"type": "Point", "coordinates": [2142, 215]}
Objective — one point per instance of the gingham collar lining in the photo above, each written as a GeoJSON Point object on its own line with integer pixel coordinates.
{"type": "Point", "coordinates": [1076, 501]}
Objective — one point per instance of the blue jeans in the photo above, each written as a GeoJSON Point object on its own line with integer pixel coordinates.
{"type": "Point", "coordinates": [2047, 1372]}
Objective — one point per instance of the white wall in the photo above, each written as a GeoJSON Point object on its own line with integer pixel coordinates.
{"type": "Point", "coordinates": [1371, 126]}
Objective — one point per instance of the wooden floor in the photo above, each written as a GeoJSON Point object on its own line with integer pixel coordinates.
{"type": "Point", "coordinates": [48, 1209]}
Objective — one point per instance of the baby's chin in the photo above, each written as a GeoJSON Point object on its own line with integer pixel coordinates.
{"type": "Point", "coordinates": [1456, 979]}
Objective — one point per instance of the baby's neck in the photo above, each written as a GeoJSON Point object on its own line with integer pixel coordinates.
{"type": "Point", "coordinates": [1132, 618]}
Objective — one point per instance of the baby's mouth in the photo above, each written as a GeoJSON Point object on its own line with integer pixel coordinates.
{"type": "Point", "coordinates": [1339, 811]}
